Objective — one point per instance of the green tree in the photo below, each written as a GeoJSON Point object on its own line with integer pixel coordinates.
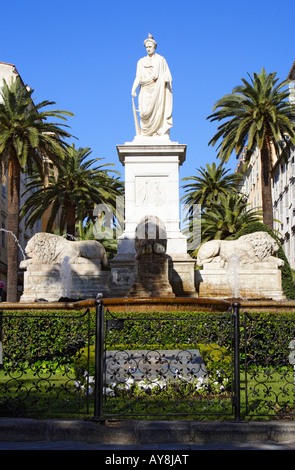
{"type": "Point", "coordinates": [225, 218]}
{"type": "Point", "coordinates": [256, 113]}
{"type": "Point", "coordinates": [108, 239]}
{"type": "Point", "coordinates": [72, 193]}
{"type": "Point", "coordinates": [26, 136]}
{"type": "Point", "coordinates": [209, 184]}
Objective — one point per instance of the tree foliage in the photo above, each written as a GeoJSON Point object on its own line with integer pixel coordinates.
{"type": "Point", "coordinates": [208, 184]}
{"type": "Point", "coordinates": [225, 218]}
{"type": "Point", "coordinates": [223, 209]}
{"type": "Point", "coordinates": [27, 135]}
{"type": "Point", "coordinates": [72, 193]}
{"type": "Point", "coordinates": [256, 114]}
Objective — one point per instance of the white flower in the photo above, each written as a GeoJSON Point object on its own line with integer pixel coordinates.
{"type": "Point", "coordinates": [146, 385]}
{"type": "Point", "coordinates": [109, 392]}
{"type": "Point", "coordinates": [200, 383]}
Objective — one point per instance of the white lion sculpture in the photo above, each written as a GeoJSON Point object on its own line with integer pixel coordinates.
{"type": "Point", "coordinates": [252, 248]}
{"type": "Point", "coordinates": [47, 248]}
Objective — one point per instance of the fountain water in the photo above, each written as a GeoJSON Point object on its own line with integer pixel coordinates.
{"type": "Point", "coordinates": [16, 240]}
{"type": "Point", "coordinates": [233, 275]}
{"type": "Point", "coordinates": [66, 277]}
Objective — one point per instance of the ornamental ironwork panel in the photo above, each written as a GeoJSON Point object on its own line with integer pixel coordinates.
{"type": "Point", "coordinates": [168, 365]}
{"type": "Point", "coordinates": [267, 365]}
{"type": "Point", "coordinates": [202, 365]}
{"type": "Point", "coordinates": [41, 363]}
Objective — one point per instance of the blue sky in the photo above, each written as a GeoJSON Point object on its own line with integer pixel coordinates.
{"type": "Point", "coordinates": [83, 55]}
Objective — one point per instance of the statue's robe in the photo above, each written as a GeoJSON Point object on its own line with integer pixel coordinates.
{"type": "Point", "coordinates": [155, 96]}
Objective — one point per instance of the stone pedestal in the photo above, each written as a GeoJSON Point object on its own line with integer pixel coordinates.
{"type": "Point", "coordinates": [152, 189]}
{"type": "Point", "coordinates": [52, 282]}
{"type": "Point", "coordinates": [122, 274]}
{"type": "Point", "coordinates": [182, 275]}
{"type": "Point", "coordinates": [151, 277]}
{"type": "Point", "coordinates": [251, 281]}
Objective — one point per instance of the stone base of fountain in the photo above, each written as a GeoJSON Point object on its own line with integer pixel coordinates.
{"type": "Point", "coordinates": [151, 277]}
{"type": "Point", "coordinates": [181, 275]}
{"type": "Point", "coordinates": [49, 282]}
{"type": "Point", "coordinates": [252, 281]}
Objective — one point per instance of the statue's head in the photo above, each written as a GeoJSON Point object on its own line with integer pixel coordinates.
{"type": "Point", "coordinates": [150, 44]}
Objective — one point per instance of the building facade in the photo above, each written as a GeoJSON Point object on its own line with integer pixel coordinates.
{"type": "Point", "coordinates": [251, 184]}
{"type": "Point", "coordinates": [284, 204]}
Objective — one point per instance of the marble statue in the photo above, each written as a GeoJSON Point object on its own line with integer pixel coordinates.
{"type": "Point", "coordinates": [56, 269]}
{"type": "Point", "coordinates": [155, 93]}
{"type": "Point", "coordinates": [246, 268]}
{"type": "Point", "coordinates": [256, 247]}
{"type": "Point", "coordinates": [48, 248]}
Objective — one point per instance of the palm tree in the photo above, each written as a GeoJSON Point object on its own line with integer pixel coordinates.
{"type": "Point", "coordinates": [256, 113]}
{"type": "Point", "coordinates": [71, 194]}
{"type": "Point", "coordinates": [225, 218]}
{"type": "Point", "coordinates": [208, 185]}
{"type": "Point", "coordinates": [26, 136]}
{"type": "Point", "coordinates": [110, 243]}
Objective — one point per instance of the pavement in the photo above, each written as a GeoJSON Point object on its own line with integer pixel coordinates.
{"type": "Point", "coordinates": [152, 436]}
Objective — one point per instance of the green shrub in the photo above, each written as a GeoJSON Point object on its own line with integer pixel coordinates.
{"type": "Point", "coordinates": [31, 337]}
{"type": "Point", "coordinates": [266, 337]}
{"type": "Point", "coordinates": [213, 353]}
{"type": "Point", "coordinates": [83, 361]}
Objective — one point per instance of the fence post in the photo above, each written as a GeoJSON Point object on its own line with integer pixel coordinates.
{"type": "Point", "coordinates": [236, 347]}
{"type": "Point", "coordinates": [99, 359]}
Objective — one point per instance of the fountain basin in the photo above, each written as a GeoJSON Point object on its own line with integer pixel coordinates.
{"type": "Point", "coordinates": [162, 304]}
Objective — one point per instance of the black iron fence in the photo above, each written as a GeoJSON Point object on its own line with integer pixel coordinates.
{"type": "Point", "coordinates": [267, 354]}
{"type": "Point", "coordinates": [166, 365]}
{"type": "Point", "coordinates": [40, 353]}
{"type": "Point", "coordinates": [235, 365]}
{"type": "Point", "coordinates": [105, 364]}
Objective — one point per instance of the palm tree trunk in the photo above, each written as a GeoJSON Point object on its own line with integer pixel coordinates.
{"type": "Point", "coordinates": [80, 224]}
{"type": "Point", "coordinates": [71, 219]}
{"type": "Point", "coordinates": [13, 226]}
{"type": "Point", "coordinates": [266, 187]}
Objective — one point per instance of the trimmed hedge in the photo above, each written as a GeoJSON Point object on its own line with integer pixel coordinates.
{"type": "Point", "coordinates": [28, 339]}
{"type": "Point", "coordinates": [30, 336]}
{"type": "Point", "coordinates": [264, 341]}
{"type": "Point", "coordinates": [266, 337]}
